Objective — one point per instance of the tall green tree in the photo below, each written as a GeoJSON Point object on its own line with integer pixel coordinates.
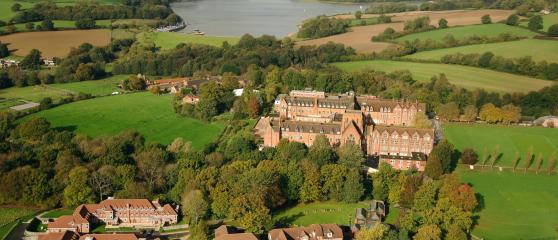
{"type": "Point", "coordinates": [32, 61]}
{"type": "Point", "coordinates": [535, 23]}
{"type": "Point", "coordinates": [78, 191]}
{"type": "Point", "coordinates": [194, 206]}
{"type": "Point", "coordinates": [352, 187]}
{"type": "Point", "coordinates": [321, 152]}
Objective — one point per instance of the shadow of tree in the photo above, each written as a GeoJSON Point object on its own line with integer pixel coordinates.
{"type": "Point", "coordinates": [287, 221]}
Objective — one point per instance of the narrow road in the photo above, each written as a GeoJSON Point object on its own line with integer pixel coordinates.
{"type": "Point", "coordinates": [438, 131]}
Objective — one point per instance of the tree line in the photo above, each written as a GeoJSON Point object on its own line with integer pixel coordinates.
{"type": "Point", "coordinates": [522, 66]}
{"type": "Point", "coordinates": [90, 10]}
{"type": "Point", "coordinates": [322, 26]}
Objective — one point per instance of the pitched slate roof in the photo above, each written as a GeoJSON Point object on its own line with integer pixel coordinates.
{"type": "Point", "coordinates": [312, 232]}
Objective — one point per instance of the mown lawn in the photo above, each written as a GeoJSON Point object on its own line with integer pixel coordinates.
{"type": "Point", "coordinates": [511, 139]}
{"type": "Point", "coordinates": [489, 30]}
{"type": "Point", "coordinates": [467, 77]}
{"type": "Point", "coordinates": [32, 93]}
{"type": "Point", "coordinates": [56, 213]}
{"type": "Point", "coordinates": [320, 212]}
{"type": "Point", "coordinates": [169, 40]}
{"type": "Point", "coordinates": [538, 49]}
{"type": "Point", "coordinates": [515, 206]}
{"type": "Point", "coordinates": [151, 115]}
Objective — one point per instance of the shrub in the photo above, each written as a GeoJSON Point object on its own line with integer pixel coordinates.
{"type": "Point", "coordinates": [358, 14]}
{"type": "Point", "coordinates": [553, 30]}
{"type": "Point", "coordinates": [512, 20]}
{"type": "Point", "coordinates": [535, 23]}
{"type": "Point", "coordinates": [443, 23]}
{"type": "Point", "coordinates": [486, 19]}
{"type": "Point", "coordinates": [469, 156]}
{"type": "Point", "coordinates": [85, 23]}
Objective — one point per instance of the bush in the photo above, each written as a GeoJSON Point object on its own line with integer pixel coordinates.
{"type": "Point", "coordinates": [535, 23]}
{"type": "Point", "coordinates": [85, 23]}
{"type": "Point", "coordinates": [553, 30]}
{"type": "Point", "coordinates": [47, 24]}
{"type": "Point", "coordinates": [512, 20]}
{"type": "Point", "coordinates": [486, 19]}
{"type": "Point", "coordinates": [358, 14]}
{"type": "Point", "coordinates": [469, 156]}
{"type": "Point", "coordinates": [443, 23]}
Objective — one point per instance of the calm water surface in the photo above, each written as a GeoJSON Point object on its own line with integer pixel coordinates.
{"type": "Point", "coordinates": [257, 17]}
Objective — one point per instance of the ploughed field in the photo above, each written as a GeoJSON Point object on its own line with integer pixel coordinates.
{"type": "Point", "coordinates": [150, 115]}
{"type": "Point", "coordinates": [515, 205]}
{"type": "Point", "coordinates": [54, 43]}
{"type": "Point", "coordinates": [510, 139]}
{"type": "Point", "coordinates": [538, 49]}
{"type": "Point", "coordinates": [360, 37]}
{"type": "Point", "coordinates": [489, 30]}
{"type": "Point", "coordinates": [169, 40]}
{"type": "Point", "coordinates": [464, 76]}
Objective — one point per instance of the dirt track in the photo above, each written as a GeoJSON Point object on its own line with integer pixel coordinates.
{"type": "Point", "coordinates": [55, 43]}
{"type": "Point", "coordinates": [359, 38]}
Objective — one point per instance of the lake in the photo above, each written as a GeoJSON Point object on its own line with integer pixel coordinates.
{"type": "Point", "coordinates": [257, 17]}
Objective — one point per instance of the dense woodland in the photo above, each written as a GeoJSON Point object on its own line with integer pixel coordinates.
{"type": "Point", "coordinates": [322, 26]}
{"type": "Point", "coordinates": [94, 11]}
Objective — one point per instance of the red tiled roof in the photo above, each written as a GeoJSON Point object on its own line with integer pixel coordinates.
{"type": "Point", "coordinates": [114, 236]}
{"type": "Point", "coordinates": [170, 80]}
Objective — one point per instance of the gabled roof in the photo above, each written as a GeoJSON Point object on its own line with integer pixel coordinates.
{"type": "Point", "coordinates": [312, 232]}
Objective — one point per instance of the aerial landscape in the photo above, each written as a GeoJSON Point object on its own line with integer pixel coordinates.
{"type": "Point", "coordinates": [278, 119]}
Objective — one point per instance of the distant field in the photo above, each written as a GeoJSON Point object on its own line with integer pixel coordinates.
{"type": "Point", "coordinates": [467, 77]}
{"type": "Point", "coordinates": [511, 139]}
{"type": "Point", "coordinates": [516, 206]}
{"type": "Point", "coordinates": [13, 96]}
{"type": "Point", "coordinates": [32, 93]}
{"type": "Point", "coordinates": [94, 87]}
{"type": "Point", "coordinates": [169, 40]}
{"type": "Point", "coordinates": [55, 44]}
{"type": "Point", "coordinates": [548, 20]}
{"type": "Point", "coordinates": [6, 11]}
{"type": "Point", "coordinates": [489, 30]}
{"type": "Point", "coordinates": [359, 37]}
{"type": "Point", "coordinates": [70, 2]}
{"type": "Point", "coordinates": [320, 212]}
{"type": "Point", "coordinates": [59, 24]}
{"type": "Point", "coordinates": [144, 112]}
{"type": "Point", "coordinates": [539, 50]}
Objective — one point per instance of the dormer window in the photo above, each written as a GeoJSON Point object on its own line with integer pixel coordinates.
{"type": "Point", "coordinates": [329, 235]}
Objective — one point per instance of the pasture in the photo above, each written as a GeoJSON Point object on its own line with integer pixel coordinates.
{"type": "Point", "coordinates": [538, 49]}
{"type": "Point", "coordinates": [510, 139]}
{"type": "Point", "coordinates": [5, 9]}
{"type": "Point", "coordinates": [515, 206]}
{"type": "Point", "coordinates": [488, 30]}
{"type": "Point", "coordinates": [466, 77]}
{"type": "Point", "coordinates": [169, 40]}
{"type": "Point", "coordinates": [359, 37]}
{"type": "Point", "coordinates": [15, 95]}
{"type": "Point", "coordinates": [318, 212]}
{"type": "Point", "coordinates": [56, 43]}
{"type": "Point", "coordinates": [152, 116]}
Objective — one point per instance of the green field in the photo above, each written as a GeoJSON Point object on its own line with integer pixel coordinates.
{"type": "Point", "coordinates": [511, 139]}
{"type": "Point", "coordinates": [62, 24]}
{"type": "Point", "coordinates": [516, 206]}
{"type": "Point", "coordinates": [169, 40]}
{"type": "Point", "coordinates": [548, 20]}
{"type": "Point", "coordinates": [489, 30]}
{"type": "Point", "coordinates": [56, 213]}
{"type": "Point", "coordinates": [144, 112]}
{"type": "Point", "coordinates": [359, 22]}
{"type": "Point", "coordinates": [8, 217]}
{"type": "Point", "coordinates": [6, 11]}
{"type": "Point", "coordinates": [99, 87]}
{"type": "Point", "coordinates": [320, 213]}
{"type": "Point", "coordinates": [539, 50]}
{"type": "Point", "coordinates": [11, 96]}
{"type": "Point", "coordinates": [467, 77]}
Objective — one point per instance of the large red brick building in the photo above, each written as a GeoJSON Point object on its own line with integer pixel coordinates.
{"type": "Point", "coordinates": [116, 212]}
{"type": "Point", "coordinates": [381, 127]}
